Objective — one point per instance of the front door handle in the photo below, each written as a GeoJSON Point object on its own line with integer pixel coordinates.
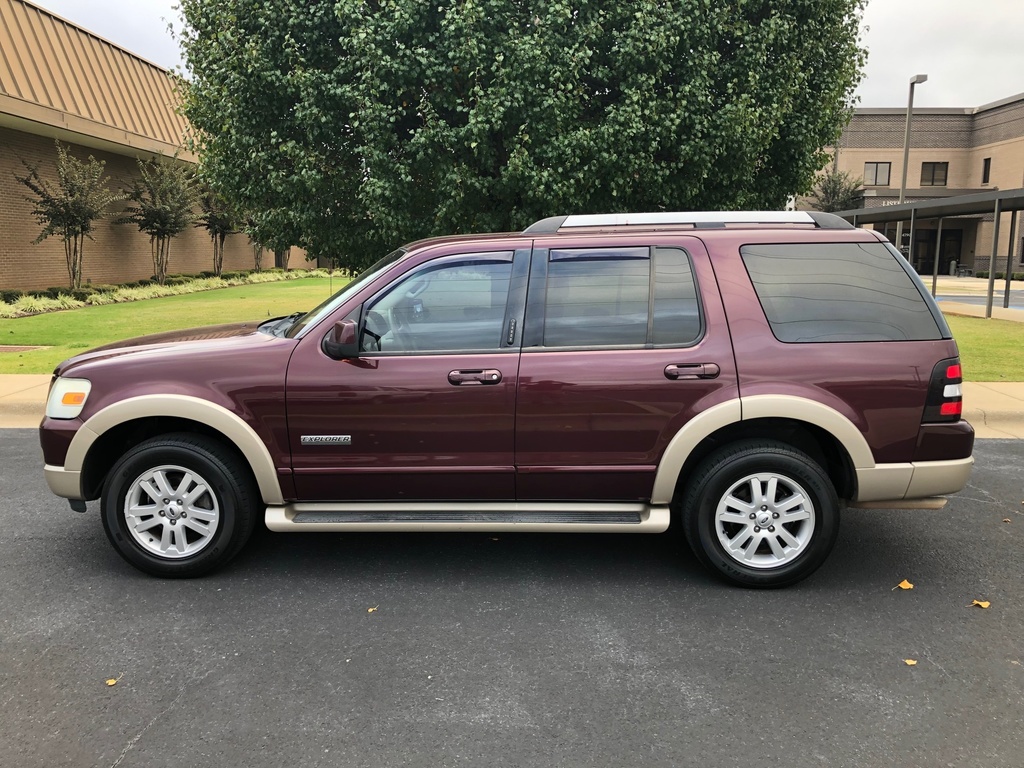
{"type": "Point", "coordinates": [692, 371]}
{"type": "Point", "coordinates": [485, 376]}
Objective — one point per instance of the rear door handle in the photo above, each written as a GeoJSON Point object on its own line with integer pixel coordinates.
{"type": "Point", "coordinates": [692, 371]}
{"type": "Point", "coordinates": [485, 376]}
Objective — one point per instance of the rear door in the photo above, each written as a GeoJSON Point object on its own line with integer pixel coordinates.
{"type": "Point", "coordinates": [622, 346]}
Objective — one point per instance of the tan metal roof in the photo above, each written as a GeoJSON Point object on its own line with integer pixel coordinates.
{"type": "Point", "coordinates": [57, 74]}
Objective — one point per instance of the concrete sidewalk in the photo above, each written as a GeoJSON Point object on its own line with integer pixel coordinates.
{"type": "Point", "coordinates": [994, 408]}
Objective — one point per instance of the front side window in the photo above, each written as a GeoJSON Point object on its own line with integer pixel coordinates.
{"type": "Point", "coordinates": [454, 305]}
{"type": "Point", "coordinates": [620, 297]}
{"type": "Point", "coordinates": [934, 174]}
{"type": "Point", "coordinates": [876, 174]}
{"type": "Point", "coordinates": [838, 292]}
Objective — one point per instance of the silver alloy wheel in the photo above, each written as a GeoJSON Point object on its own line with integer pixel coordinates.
{"type": "Point", "coordinates": [171, 512]}
{"type": "Point", "coordinates": [765, 520]}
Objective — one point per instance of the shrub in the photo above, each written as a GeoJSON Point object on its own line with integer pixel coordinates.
{"type": "Point", "coordinates": [9, 296]}
{"type": "Point", "coordinates": [981, 273]}
{"type": "Point", "coordinates": [81, 294]}
{"type": "Point", "coordinates": [1018, 276]}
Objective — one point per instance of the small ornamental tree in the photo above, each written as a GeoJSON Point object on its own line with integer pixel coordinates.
{"type": "Point", "coordinates": [161, 203]}
{"type": "Point", "coordinates": [836, 191]}
{"type": "Point", "coordinates": [70, 208]}
{"type": "Point", "coordinates": [219, 222]}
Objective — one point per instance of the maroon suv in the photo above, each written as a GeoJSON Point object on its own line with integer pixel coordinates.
{"type": "Point", "coordinates": [741, 374]}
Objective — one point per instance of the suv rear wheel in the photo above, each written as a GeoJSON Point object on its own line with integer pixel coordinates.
{"type": "Point", "coordinates": [179, 505]}
{"type": "Point", "coordinates": [761, 514]}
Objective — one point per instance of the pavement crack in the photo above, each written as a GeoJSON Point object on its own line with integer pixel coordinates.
{"type": "Point", "coordinates": [134, 739]}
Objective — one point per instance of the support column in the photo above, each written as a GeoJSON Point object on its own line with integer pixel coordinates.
{"type": "Point", "coordinates": [1009, 259]}
{"type": "Point", "coordinates": [935, 261]}
{"type": "Point", "coordinates": [998, 214]}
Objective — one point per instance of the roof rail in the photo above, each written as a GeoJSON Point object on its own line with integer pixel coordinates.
{"type": "Point", "coordinates": [698, 219]}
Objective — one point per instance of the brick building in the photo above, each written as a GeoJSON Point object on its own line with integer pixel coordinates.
{"type": "Point", "coordinates": [59, 81]}
{"type": "Point", "coordinates": [952, 152]}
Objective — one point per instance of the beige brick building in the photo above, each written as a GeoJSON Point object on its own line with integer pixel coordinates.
{"type": "Point", "coordinates": [59, 81]}
{"type": "Point", "coordinates": [952, 152]}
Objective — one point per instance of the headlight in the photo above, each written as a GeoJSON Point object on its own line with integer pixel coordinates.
{"type": "Point", "coordinates": [67, 398]}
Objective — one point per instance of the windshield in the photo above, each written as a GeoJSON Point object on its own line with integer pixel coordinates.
{"type": "Point", "coordinates": [316, 315]}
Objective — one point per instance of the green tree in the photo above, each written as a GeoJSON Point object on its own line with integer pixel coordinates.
{"type": "Point", "coordinates": [361, 124]}
{"type": "Point", "coordinates": [836, 191]}
{"type": "Point", "coordinates": [70, 208]}
{"type": "Point", "coordinates": [219, 222]}
{"type": "Point", "coordinates": [161, 204]}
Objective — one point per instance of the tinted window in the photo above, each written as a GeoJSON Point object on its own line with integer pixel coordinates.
{"type": "Point", "coordinates": [597, 297]}
{"type": "Point", "coordinates": [838, 292]}
{"type": "Point", "coordinates": [676, 310]}
{"type": "Point", "coordinates": [453, 306]}
{"type": "Point", "coordinates": [602, 297]}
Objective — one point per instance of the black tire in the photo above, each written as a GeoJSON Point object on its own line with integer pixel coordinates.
{"type": "Point", "coordinates": [224, 503]}
{"type": "Point", "coordinates": [734, 473]}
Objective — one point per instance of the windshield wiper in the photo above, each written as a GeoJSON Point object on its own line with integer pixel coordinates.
{"type": "Point", "coordinates": [280, 326]}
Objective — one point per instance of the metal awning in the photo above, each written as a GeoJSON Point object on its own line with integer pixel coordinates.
{"type": "Point", "coordinates": [996, 202]}
{"type": "Point", "coordinates": [1009, 200]}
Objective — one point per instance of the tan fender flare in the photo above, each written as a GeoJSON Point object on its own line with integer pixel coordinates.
{"type": "Point", "coordinates": [785, 407]}
{"type": "Point", "coordinates": [686, 439]}
{"type": "Point", "coordinates": [240, 434]}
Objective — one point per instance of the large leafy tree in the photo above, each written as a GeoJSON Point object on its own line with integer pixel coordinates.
{"type": "Point", "coordinates": [359, 124]}
{"type": "Point", "coordinates": [69, 206]}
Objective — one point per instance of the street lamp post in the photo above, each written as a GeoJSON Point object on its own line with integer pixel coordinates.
{"type": "Point", "coordinates": [906, 153]}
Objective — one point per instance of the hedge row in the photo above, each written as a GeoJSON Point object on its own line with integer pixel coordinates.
{"type": "Point", "coordinates": [1000, 275]}
{"type": "Point", "coordinates": [21, 303]}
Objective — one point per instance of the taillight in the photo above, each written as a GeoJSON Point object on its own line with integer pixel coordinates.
{"type": "Point", "coordinates": [945, 392]}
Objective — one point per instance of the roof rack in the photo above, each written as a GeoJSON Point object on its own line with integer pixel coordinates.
{"type": "Point", "coordinates": [698, 220]}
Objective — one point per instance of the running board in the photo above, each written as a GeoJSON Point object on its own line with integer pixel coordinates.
{"type": "Point", "coordinates": [485, 517]}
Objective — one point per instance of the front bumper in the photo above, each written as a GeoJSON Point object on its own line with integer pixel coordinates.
{"type": "Point", "coordinates": [63, 482]}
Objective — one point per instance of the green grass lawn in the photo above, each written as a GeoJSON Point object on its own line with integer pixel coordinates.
{"type": "Point", "coordinates": [71, 332]}
{"type": "Point", "coordinates": [991, 350]}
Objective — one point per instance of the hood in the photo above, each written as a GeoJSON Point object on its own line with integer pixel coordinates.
{"type": "Point", "coordinates": [207, 336]}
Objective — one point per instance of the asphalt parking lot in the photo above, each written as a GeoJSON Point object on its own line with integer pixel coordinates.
{"type": "Point", "coordinates": [514, 650]}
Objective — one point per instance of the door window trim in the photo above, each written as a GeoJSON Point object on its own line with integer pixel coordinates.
{"type": "Point", "coordinates": [536, 300]}
{"type": "Point", "coordinates": [514, 302]}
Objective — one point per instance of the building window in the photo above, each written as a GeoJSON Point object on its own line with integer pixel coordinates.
{"type": "Point", "coordinates": [934, 174]}
{"type": "Point", "coordinates": [986, 169]}
{"type": "Point", "coordinates": [876, 174]}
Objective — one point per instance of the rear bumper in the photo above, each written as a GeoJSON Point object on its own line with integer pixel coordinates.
{"type": "Point", "coordinates": [64, 483]}
{"type": "Point", "coordinates": [915, 480]}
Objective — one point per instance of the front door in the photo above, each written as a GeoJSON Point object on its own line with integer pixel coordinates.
{"type": "Point", "coordinates": [427, 410]}
{"type": "Point", "coordinates": [623, 345]}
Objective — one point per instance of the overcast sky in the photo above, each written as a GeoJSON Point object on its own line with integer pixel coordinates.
{"type": "Point", "coordinates": [972, 52]}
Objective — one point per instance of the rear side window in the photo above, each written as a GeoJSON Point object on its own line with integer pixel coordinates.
{"type": "Point", "coordinates": [838, 292]}
{"type": "Point", "coordinates": [620, 297]}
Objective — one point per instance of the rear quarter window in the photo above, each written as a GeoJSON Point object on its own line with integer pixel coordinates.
{"type": "Point", "coordinates": [813, 292]}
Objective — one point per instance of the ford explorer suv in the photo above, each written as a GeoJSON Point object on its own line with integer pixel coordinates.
{"type": "Point", "coordinates": [740, 377]}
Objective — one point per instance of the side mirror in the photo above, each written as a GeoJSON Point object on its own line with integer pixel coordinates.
{"type": "Point", "coordinates": [342, 342]}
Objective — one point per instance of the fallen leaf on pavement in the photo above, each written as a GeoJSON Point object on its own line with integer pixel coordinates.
{"type": "Point", "coordinates": [981, 603]}
{"type": "Point", "coordinates": [910, 662]}
{"type": "Point", "coordinates": [1007, 520]}
{"type": "Point", "coordinates": [371, 610]}
{"type": "Point", "coordinates": [904, 585]}
{"type": "Point", "coordinates": [113, 680]}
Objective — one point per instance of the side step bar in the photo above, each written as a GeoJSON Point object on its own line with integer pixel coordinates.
{"type": "Point", "coordinates": [524, 517]}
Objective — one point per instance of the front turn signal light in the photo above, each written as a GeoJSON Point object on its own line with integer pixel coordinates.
{"type": "Point", "coordinates": [67, 398]}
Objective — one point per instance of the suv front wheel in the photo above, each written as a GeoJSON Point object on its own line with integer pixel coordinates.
{"type": "Point", "coordinates": [178, 505]}
{"type": "Point", "coordinates": [761, 514]}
